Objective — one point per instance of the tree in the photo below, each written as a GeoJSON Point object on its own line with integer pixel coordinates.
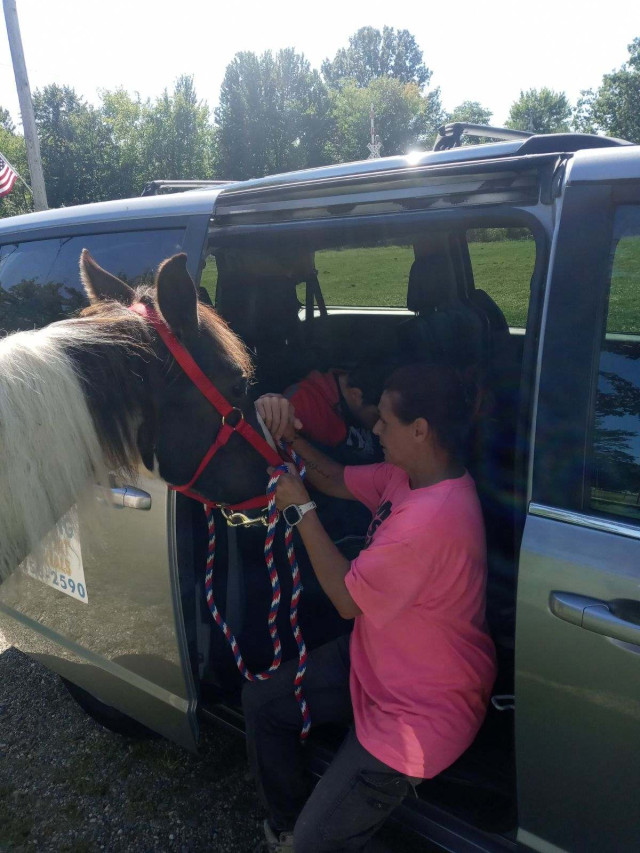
{"type": "Point", "coordinates": [78, 154]}
{"type": "Point", "coordinates": [540, 111]}
{"type": "Point", "coordinates": [19, 200]}
{"type": "Point", "coordinates": [615, 107]}
{"type": "Point", "coordinates": [6, 121]}
{"type": "Point", "coordinates": [404, 117]}
{"type": "Point", "coordinates": [373, 54]}
{"type": "Point", "coordinates": [169, 138]}
{"type": "Point", "coordinates": [272, 115]}
{"type": "Point", "coordinates": [123, 114]}
{"type": "Point", "coordinates": [471, 112]}
{"type": "Point", "coordinates": [176, 140]}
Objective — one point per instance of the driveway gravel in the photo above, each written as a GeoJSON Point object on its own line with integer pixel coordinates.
{"type": "Point", "coordinates": [67, 784]}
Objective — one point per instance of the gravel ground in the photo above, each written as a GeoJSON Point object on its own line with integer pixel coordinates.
{"type": "Point", "coordinates": [67, 784]}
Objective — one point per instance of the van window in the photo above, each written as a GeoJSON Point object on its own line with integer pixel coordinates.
{"type": "Point", "coordinates": [615, 468]}
{"type": "Point", "coordinates": [133, 256]}
{"type": "Point", "coordinates": [40, 281]}
{"type": "Point", "coordinates": [209, 277]}
{"type": "Point", "coordinates": [367, 276]}
{"type": "Point", "coordinates": [502, 260]}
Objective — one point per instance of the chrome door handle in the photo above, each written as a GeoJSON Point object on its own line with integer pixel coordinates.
{"type": "Point", "coordinates": [128, 496]}
{"type": "Point", "coordinates": [593, 615]}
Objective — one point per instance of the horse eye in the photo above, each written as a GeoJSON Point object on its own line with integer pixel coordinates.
{"type": "Point", "coordinates": [239, 389]}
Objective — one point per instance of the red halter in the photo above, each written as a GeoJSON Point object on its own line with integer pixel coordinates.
{"type": "Point", "coordinates": [220, 404]}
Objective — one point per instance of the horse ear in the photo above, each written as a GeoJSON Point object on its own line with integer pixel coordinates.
{"type": "Point", "coordinates": [100, 284]}
{"type": "Point", "coordinates": [176, 296]}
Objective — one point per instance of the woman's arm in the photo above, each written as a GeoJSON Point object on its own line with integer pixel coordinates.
{"type": "Point", "coordinates": [328, 563]}
{"type": "Point", "coordinates": [323, 473]}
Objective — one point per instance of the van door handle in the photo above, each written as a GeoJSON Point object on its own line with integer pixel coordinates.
{"type": "Point", "coordinates": [128, 496]}
{"type": "Point", "coordinates": [593, 615]}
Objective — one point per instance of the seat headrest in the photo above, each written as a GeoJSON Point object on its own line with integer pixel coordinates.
{"type": "Point", "coordinates": [432, 285]}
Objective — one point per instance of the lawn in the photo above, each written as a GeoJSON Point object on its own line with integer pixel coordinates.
{"type": "Point", "coordinates": [378, 276]}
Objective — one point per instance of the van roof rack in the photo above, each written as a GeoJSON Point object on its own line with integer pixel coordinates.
{"type": "Point", "coordinates": [450, 135]}
{"type": "Point", "coordinates": [161, 187]}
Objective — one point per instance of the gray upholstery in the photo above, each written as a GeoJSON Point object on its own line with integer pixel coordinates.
{"type": "Point", "coordinates": [445, 329]}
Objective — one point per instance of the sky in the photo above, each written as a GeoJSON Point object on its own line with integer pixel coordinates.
{"type": "Point", "coordinates": [477, 51]}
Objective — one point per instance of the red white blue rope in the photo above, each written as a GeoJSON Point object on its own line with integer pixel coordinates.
{"type": "Point", "coordinates": [296, 592]}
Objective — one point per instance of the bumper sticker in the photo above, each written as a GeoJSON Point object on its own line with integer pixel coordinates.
{"type": "Point", "coordinates": [58, 561]}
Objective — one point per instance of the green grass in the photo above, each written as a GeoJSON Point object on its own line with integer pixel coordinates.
{"type": "Point", "coordinates": [374, 276]}
{"type": "Point", "coordinates": [504, 271]}
{"type": "Point", "coordinates": [209, 278]}
{"type": "Point", "coordinates": [378, 276]}
{"type": "Point", "coordinates": [624, 299]}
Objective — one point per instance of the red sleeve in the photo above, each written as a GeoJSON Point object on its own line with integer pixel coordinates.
{"type": "Point", "coordinates": [319, 421]}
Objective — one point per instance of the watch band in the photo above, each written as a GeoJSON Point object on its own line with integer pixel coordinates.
{"type": "Point", "coordinates": [304, 508]}
{"type": "Point", "coordinates": [300, 510]}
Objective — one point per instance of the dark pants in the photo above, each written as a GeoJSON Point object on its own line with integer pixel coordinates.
{"type": "Point", "coordinates": [357, 792]}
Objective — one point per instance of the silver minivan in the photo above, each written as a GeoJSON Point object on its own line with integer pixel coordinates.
{"type": "Point", "coordinates": [517, 261]}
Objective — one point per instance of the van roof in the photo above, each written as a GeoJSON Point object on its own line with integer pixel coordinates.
{"type": "Point", "coordinates": [538, 144]}
{"type": "Point", "coordinates": [195, 202]}
{"type": "Point", "coordinates": [202, 200]}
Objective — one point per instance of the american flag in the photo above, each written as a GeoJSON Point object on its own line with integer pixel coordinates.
{"type": "Point", "coordinates": [7, 177]}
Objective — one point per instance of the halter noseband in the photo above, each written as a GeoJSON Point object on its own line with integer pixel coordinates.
{"type": "Point", "coordinates": [233, 421]}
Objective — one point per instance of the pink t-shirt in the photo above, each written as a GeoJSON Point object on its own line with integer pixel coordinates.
{"type": "Point", "coordinates": [422, 662]}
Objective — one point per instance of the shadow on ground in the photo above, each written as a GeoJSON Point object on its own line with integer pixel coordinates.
{"type": "Point", "coordinates": [67, 784]}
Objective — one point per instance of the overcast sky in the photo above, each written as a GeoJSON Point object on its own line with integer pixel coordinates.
{"type": "Point", "coordinates": [477, 51]}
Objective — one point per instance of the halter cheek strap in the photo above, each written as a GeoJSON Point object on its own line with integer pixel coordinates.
{"type": "Point", "coordinates": [233, 420]}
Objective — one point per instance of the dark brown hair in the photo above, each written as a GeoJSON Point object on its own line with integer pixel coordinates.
{"type": "Point", "coordinates": [369, 376]}
{"type": "Point", "coordinates": [438, 394]}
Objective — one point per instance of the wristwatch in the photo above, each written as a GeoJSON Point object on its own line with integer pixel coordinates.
{"type": "Point", "coordinates": [294, 513]}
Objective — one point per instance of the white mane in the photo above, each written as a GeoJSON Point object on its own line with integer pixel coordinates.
{"type": "Point", "coordinates": [49, 449]}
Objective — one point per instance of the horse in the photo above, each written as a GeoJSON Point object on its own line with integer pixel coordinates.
{"type": "Point", "coordinates": [101, 392]}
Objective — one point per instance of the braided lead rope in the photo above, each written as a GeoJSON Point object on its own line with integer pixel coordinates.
{"type": "Point", "coordinates": [275, 599]}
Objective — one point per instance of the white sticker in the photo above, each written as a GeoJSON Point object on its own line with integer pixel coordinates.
{"type": "Point", "coordinates": [58, 562]}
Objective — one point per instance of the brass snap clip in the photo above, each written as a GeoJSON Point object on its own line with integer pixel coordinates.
{"type": "Point", "coordinates": [235, 518]}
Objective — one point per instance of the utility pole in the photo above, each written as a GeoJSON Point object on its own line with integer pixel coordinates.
{"type": "Point", "coordinates": [26, 105]}
{"type": "Point", "coordinates": [375, 145]}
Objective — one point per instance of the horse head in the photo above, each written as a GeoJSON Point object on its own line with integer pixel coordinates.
{"type": "Point", "coordinates": [176, 424]}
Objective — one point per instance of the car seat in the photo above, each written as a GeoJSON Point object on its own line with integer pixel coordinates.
{"type": "Point", "coordinates": [444, 330]}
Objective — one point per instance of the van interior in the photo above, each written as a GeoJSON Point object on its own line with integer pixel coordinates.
{"type": "Point", "coordinates": [467, 293]}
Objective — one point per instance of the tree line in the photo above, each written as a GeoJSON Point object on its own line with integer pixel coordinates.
{"type": "Point", "coordinates": [277, 113]}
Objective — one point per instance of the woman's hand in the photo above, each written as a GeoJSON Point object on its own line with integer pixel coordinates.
{"type": "Point", "coordinates": [290, 488]}
{"type": "Point", "coordinates": [279, 416]}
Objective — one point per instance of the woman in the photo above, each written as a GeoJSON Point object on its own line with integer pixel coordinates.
{"type": "Point", "coordinates": [416, 674]}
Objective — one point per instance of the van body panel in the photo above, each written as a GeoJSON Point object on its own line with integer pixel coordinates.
{"type": "Point", "coordinates": [193, 203]}
{"type": "Point", "coordinates": [577, 693]}
{"type": "Point", "coordinates": [605, 164]}
{"type": "Point", "coordinates": [126, 644]}
{"type": "Point", "coordinates": [577, 690]}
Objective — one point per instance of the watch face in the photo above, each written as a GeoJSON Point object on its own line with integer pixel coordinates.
{"type": "Point", "coordinates": [292, 514]}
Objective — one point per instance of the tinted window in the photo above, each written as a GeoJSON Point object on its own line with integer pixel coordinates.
{"type": "Point", "coordinates": [615, 470]}
{"type": "Point", "coordinates": [40, 281]}
{"type": "Point", "coordinates": [502, 260]}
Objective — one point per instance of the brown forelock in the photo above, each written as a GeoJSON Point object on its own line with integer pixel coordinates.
{"type": "Point", "coordinates": [115, 373]}
{"type": "Point", "coordinates": [230, 343]}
